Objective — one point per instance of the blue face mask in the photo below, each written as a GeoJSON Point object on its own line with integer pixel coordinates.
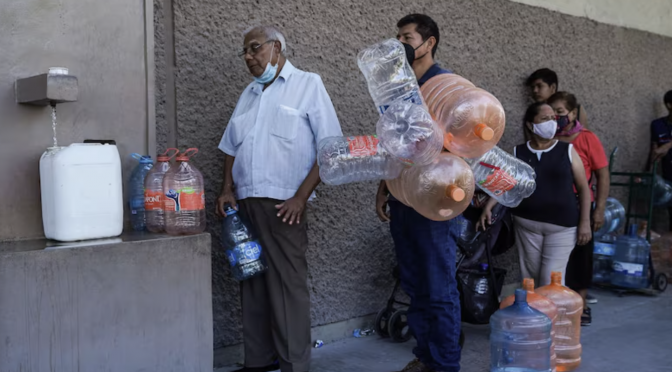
{"type": "Point", "coordinates": [269, 73]}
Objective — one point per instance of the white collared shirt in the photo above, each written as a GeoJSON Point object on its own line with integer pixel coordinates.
{"type": "Point", "coordinates": [273, 134]}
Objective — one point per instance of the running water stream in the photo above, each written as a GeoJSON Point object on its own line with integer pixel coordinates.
{"type": "Point", "coordinates": [53, 123]}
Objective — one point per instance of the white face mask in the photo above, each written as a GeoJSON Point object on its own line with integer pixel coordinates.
{"type": "Point", "coordinates": [546, 129]}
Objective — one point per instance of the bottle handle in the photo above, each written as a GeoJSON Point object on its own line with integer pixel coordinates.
{"type": "Point", "coordinates": [165, 153]}
{"type": "Point", "coordinates": [136, 156]}
{"type": "Point", "coordinates": [188, 153]}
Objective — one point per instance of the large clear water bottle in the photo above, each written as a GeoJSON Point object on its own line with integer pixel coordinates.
{"type": "Point", "coordinates": [136, 190]}
{"type": "Point", "coordinates": [614, 218]}
{"type": "Point", "coordinates": [355, 159]}
{"type": "Point", "coordinates": [631, 261]}
{"type": "Point", "coordinates": [389, 75]}
{"type": "Point", "coordinates": [603, 258]}
{"type": "Point", "coordinates": [520, 338]}
{"type": "Point", "coordinates": [154, 194]}
{"type": "Point", "coordinates": [242, 247]}
{"type": "Point", "coordinates": [408, 132]}
{"type": "Point", "coordinates": [503, 177]}
{"type": "Point", "coordinates": [184, 202]}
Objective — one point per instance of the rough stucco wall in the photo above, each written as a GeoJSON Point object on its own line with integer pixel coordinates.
{"type": "Point", "coordinates": [160, 68]}
{"type": "Point", "coordinates": [617, 74]}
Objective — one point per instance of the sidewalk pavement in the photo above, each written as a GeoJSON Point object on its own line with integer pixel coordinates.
{"type": "Point", "coordinates": [631, 333]}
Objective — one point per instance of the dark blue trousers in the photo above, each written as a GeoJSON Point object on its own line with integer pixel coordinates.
{"type": "Point", "coordinates": [426, 257]}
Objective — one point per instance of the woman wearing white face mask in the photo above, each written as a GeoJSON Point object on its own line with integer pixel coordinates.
{"type": "Point", "coordinates": [549, 223]}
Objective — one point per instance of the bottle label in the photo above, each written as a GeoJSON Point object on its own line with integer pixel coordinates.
{"type": "Point", "coordinates": [605, 249]}
{"type": "Point", "coordinates": [411, 97]}
{"type": "Point", "coordinates": [153, 200]}
{"type": "Point", "coordinates": [361, 146]}
{"type": "Point", "coordinates": [186, 199]}
{"type": "Point", "coordinates": [498, 182]}
{"type": "Point", "coordinates": [244, 253]}
{"type": "Point", "coordinates": [628, 268]}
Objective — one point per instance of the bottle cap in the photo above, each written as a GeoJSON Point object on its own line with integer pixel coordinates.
{"type": "Point", "coordinates": [521, 295]}
{"type": "Point", "coordinates": [166, 156]}
{"type": "Point", "coordinates": [484, 132]}
{"type": "Point", "coordinates": [455, 192]}
{"type": "Point", "coordinates": [185, 156]}
{"type": "Point", "coordinates": [142, 159]}
{"type": "Point", "coordinates": [633, 230]}
{"type": "Point", "coordinates": [556, 277]}
{"type": "Point", "coordinates": [528, 284]}
{"type": "Point", "coordinates": [230, 211]}
{"type": "Point", "coordinates": [484, 266]}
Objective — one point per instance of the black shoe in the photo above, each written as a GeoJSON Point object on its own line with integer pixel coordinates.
{"type": "Point", "coordinates": [586, 317]}
{"type": "Point", "coordinates": [269, 368]}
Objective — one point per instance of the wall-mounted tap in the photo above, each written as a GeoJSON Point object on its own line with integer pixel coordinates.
{"type": "Point", "coordinates": [54, 87]}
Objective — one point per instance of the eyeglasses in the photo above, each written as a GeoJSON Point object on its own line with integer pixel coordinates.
{"type": "Point", "coordinates": [254, 49]}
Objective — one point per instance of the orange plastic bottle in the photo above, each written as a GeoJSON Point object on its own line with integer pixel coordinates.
{"type": "Point", "coordinates": [540, 303]}
{"type": "Point", "coordinates": [568, 323]}
{"type": "Point", "coordinates": [440, 191]}
{"type": "Point", "coordinates": [472, 119]}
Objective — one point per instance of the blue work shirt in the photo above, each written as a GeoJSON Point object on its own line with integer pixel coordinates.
{"type": "Point", "coordinates": [433, 71]}
{"type": "Point", "coordinates": [661, 133]}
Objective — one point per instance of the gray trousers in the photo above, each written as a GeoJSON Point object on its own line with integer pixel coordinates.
{"type": "Point", "coordinates": [542, 249]}
{"type": "Point", "coordinates": [276, 305]}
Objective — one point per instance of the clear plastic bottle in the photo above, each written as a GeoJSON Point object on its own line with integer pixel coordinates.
{"type": "Point", "coordinates": [631, 261]}
{"type": "Point", "coordinates": [355, 159]}
{"type": "Point", "coordinates": [184, 202]}
{"type": "Point", "coordinates": [614, 218]}
{"type": "Point", "coordinates": [242, 247]}
{"type": "Point", "coordinates": [389, 75]}
{"type": "Point", "coordinates": [520, 338]}
{"type": "Point", "coordinates": [154, 194]}
{"type": "Point", "coordinates": [540, 303]}
{"type": "Point", "coordinates": [408, 132]}
{"type": "Point", "coordinates": [440, 190]}
{"type": "Point", "coordinates": [567, 324]}
{"type": "Point", "coordinates": [472, 119]}
{"type": "Point", "coordinates": [603, 258]}
{"type": "Point", "coordinates": [503, 177]}
{"type": "Point", "coordinates": [481, 285]}
{"type": "Point", "coordinates": [136, 190]}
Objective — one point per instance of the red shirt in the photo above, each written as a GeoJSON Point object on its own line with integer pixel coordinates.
{"type": "Point", "coordinates": [592, 154]}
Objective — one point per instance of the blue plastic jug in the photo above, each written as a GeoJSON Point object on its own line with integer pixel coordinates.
{"type": "Point", "coordinates": [242, 247]}
{"type": "Point", "coordinates": [520, 338]}
{"type": "Point", "coordinates": [136, 190]}
{"type": "Point", "coordinates": [631, 261]}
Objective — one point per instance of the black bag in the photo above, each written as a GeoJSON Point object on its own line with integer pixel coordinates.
{"type": "Point", "coordinates": [477, 307]}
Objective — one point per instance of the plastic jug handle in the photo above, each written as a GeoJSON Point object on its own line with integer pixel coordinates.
{"type": "Point", "coordinates": [176, 151]}
{"type": "Point", "coordinates": [136, 156]}
{"type": "Point", "coordinates": [189, 152]}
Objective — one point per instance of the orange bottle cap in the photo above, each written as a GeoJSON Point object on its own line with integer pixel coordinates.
{"type": "Point", "coordinates": [185, 156]}
{"type": "Point", "coordinates": [166, 156]}
{"type": "Point", "coordinates": [528, 284]}
{"type": "Point", "coordinates": [556, 277]}
{"type": "Point", "coordinates": [484, 132]}
{"type": "Point", "coordinates": [455, 192]}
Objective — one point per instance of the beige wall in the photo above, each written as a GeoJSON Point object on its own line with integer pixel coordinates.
{"type": "Point", "coordinates": [104, 44]}
{"type": "Point", "coordinates": [646, 15]}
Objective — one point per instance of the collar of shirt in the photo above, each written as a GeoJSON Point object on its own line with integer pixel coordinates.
{"type": "Point", "coordinates": [287, 71]}
{"type": "Point", "coordinates": [433, 71]}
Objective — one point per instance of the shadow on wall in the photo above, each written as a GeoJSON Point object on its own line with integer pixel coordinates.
{"type": "Point", "coordinates": [495, 44]}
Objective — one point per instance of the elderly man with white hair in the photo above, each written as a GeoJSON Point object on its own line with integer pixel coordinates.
{"type": "Point", "coordinates": [270, 170]}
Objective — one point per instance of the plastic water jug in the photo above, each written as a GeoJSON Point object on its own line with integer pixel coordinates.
{"type": "Point", "coordinates": [614, 218]}
{"type": "Point", "coordinates": [184, 202]}
{"type": "Point", "coordinates": [440, 191]}
{"type": "Point", "coordinates": [631, 261]}
{"type": "Point", "coordinates": [136, 190]}
{"type": "Point", "coordinates": [243, 250]}
{"type": "Point", "coordinates": [568, 323]}
{"type": "Point", "coordinates": [154, 194]}
{"type": "Point", "coordinates": [472, 119]}
{"type": "Point", "coordinates": [603, 259]}
{"type": "Point", "coordinates": [82, 194]}
{"type": "Point", "coordinates": [540, 303]}
{"type": "Point", "coordinates": [520, 338]}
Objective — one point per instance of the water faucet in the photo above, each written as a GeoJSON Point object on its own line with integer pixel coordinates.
{"type": "Point", "coordinates": [54, 87]}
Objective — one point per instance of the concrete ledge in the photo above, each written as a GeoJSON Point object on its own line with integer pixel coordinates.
{"type": "Point", "coordinates": [143, 303]}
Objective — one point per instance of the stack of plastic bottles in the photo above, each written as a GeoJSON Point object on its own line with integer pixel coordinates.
{"type": "Point", "coordinates": [412, 133]}
{"type": "Point", "coordinates": [605, 241]}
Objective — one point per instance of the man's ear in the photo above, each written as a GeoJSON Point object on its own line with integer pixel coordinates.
{"type": "Point", "coordinates": [431, 43]}
{"type": "Point", "coordinates": [554, 87]}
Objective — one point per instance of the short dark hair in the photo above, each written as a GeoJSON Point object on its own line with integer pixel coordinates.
{"type": "Point", "coordinates": [530, 113]}
{"type": "Point", "coordinates": [424, 25]}
{"type": "Point", "coordinates": [546, 75]}
{"type": "Point", "coordinates": [570, 100]}
{"type": "Point", "coordinates": [668, 97]}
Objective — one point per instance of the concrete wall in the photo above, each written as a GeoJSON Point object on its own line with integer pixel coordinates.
{"type": "Point", "coordinates": [135, 303]}
{"type": "Point", "coordinates": [618, 74]}
{"type": "Point", "coordinates": [104, 44]}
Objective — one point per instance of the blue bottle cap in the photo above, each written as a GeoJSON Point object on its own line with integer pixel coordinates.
{"type": "Point", "coordinates": [230, 211]}
{"type": "Point", "coordinates": [484, 266]}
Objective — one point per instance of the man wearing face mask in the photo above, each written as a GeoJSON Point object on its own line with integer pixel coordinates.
{"type": "Point", "coordinates": [270, 146]}
{"type": "Point", "coordinates": [425, 249]}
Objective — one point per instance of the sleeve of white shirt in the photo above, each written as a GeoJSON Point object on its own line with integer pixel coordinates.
{"type": "Point", "coordinates": [226, 144]}
{"type": "Point", "coordinates": [321, 114]}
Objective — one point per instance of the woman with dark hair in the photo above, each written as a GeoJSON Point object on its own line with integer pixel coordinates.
{"type": "Point", "coordinates": [549, 222]}
{"type": "Point", "coordinates": [589, 148]}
